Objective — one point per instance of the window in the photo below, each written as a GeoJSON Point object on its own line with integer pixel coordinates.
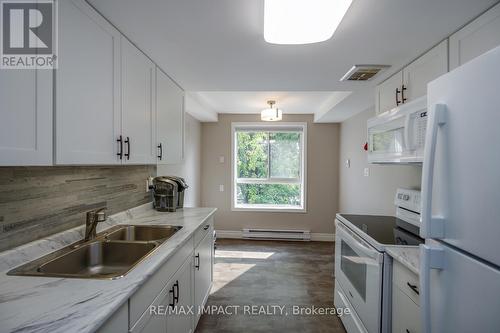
{"type": "Point", "coordinates": [268, 166]}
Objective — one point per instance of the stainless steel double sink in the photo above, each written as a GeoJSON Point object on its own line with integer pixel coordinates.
{"type": "Point", "coordinates": [111, 255]}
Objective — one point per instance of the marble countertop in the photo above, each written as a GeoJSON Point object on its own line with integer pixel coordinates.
{"type": "Point", "coordinates": [47, 304]}
{"type": "Point", "coordinates": [407, 255]}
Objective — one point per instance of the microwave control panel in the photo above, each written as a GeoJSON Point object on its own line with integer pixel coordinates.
{"type": "Point", "coordinates": [419, 122]}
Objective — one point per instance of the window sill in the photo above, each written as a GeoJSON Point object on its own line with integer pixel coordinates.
{"type": "Point", "coordinates": [256, 208]}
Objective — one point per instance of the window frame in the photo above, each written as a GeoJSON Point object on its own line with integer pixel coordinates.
{"type": "Point", "coordinates": [302, 180]}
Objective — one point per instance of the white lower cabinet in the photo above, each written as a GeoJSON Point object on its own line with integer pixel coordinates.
{"type": "Point", "coordinates": [405, 313]}
{"type": "Point", "coordinates": [169, 301]}
{"type": "Point", "coordinates": [203, 271]}
{"type": "Point", "coordinates": [170, 311]}
{"type": "Point", "coordinates": [181, 319]}
{"type": "Point", "coordinates": [118, 323]}
{"type": "Point", "coordinates": [405, 300]}
{"type": "Point", "coordinates": [154, 319]}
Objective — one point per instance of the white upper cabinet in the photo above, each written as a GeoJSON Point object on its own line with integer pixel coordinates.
{"type": "Point", "coordinates": [476, 38]}
{"type": "Point", "coordinates": [87, 87]}
{"type": "Point", "coordinates": [25, 117]}
{"type": "Point", "coordinates": [428, 67]}
{"type": "Point", "coordinates": [138, 121]}
{"type": "Point", "coordinates": [411, 82]}
{"type": "Point", "coordinates": [169, 120]}
{"type": "Point", "coordinates": [388, 93]}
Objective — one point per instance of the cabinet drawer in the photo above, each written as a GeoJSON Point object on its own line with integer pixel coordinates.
{"type": "Point", "coordinates": [405, 313]}
{"type": "Point", "coordinates": [206, 227]}
{"type": "Point", "coordinates": [140, 301]}
{"type": "Point", "coordinates": [407, 281]}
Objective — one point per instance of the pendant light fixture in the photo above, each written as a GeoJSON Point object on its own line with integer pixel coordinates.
{"type": "Point", "coordinates": [272, 113]}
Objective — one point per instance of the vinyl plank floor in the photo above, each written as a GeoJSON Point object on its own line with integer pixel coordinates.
{"type": "Point", "coordinates": [266, 273]}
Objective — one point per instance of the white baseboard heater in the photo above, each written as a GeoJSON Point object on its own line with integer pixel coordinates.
{"type": "Point", "coordinates": [302, 235]}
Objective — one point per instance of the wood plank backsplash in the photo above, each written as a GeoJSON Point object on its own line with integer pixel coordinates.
{"type": "Point", "coordinates": [39, 201]}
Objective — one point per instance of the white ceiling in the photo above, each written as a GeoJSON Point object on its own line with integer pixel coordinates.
{"type": "Point", "coordinates": [218, 45]}
{"type": "Point", "coordinates": [297, 102]}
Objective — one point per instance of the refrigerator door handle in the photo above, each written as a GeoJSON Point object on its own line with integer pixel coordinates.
{"type": "Point", "coordinates": [431, 257]}
{"type": "Point", "coordinates": [431, 226]}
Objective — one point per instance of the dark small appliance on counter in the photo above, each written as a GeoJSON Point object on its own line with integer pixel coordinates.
{"type": "Point", "coordinates": [168, 193]}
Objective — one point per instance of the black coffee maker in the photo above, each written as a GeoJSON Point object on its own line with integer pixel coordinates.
{"type": "Point", "coordinates": [168, 193]}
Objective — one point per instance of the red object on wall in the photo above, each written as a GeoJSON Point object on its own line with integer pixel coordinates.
{"type": "Point", "coordinates": [365, 147]}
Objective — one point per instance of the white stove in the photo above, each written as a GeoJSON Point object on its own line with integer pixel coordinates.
{"type": "Point", "coordinates": [363, 269]}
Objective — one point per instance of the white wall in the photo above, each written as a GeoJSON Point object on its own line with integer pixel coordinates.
{"type": "Point", "coordinates": [190, 169]}
{"type": "Point", "coordinates": [322, 177]}
{"type": "Point", "coordinates": [373, 194]}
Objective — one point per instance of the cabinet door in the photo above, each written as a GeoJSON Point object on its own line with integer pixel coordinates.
{"type": "Point", "coordinates": [476, 38]}
{"type": "Point", "coordinates": [181, 320]}
{"type": "Point", "coordinates": [428, 67]}
{"type": "Point", "coordinates": [169, 119]}
{"type": "Point", "coordinates": [203, 270]}
{"type": "Point", "coordinates": [154, 320]}
{"type": "Point", "coordinates": [118, 323]}
{"type": "Point", "coordinates": [137, 107]}
{"type": "Point", "coordinates": [87, 87]}
{"type": "Point", "coordinates": [405, 313]}
{"type": "Point", "coordinates": [25, 117]}
{"type": "Point", "coordinates": [385, 98]}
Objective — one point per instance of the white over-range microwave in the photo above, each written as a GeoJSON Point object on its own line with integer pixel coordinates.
{"type": "Point", "coordinates": [398, 135]}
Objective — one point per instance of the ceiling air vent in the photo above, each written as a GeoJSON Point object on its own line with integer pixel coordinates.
{"type": "Point", "coordinates": [363, 72]}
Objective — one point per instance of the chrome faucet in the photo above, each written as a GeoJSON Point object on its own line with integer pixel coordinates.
{"type": "Point", "coordinates": [94, 217]}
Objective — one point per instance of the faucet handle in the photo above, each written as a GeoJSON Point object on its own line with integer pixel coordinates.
{"type": "Point", "coordinates": [96, 215]}
{"type": "Point", "coordinates": [101, 214]}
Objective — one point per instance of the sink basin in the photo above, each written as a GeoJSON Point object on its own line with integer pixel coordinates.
{"type": "Point", "coordinates": [143, 233]}
{"type": "Point", "coordinates": [112, 254]}
{"type": "Point", "coordinates": [99, 259]}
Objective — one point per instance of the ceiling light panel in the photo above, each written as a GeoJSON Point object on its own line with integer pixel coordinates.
{"type": "Point", "coordinates": [302, 21]}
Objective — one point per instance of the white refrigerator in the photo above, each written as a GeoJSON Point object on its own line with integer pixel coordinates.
{"type": "Point", "coordinates": [460, 261]}
{"type": "Point", "coordinates": [460, 219]}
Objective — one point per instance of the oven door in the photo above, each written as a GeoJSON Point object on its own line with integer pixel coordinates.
{"type": "Point", "coordinates": [358, 270]}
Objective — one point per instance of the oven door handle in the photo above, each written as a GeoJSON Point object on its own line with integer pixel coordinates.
{"type": "Point", "coordinates": [358, 243]}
